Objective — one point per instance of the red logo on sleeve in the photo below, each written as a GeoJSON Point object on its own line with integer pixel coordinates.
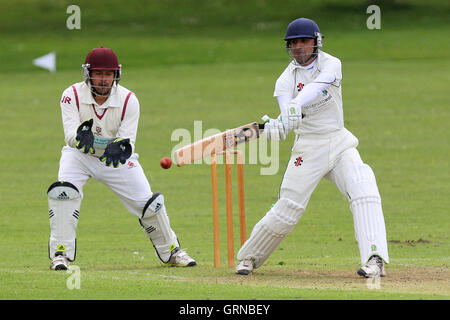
{"type": "Point", "coordinates": [65, 99]}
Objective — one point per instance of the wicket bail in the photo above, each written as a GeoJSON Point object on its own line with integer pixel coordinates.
{"type": "Point", "coordinates": [229, 204]}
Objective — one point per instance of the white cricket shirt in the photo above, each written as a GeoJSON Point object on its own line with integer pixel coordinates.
{"type": "Point", "coordinates": [324, 114]}
{"type": "Point", "coordinates": [117, 117]}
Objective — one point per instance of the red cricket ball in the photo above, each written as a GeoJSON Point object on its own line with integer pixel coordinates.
{"type": "Point", "coordinates": [165, 163]}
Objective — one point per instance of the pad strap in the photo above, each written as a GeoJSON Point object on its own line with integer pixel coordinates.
{"type": "Point", "coordinates": [154, 204]}
{"type": "Point", "coordinates": [52, 191]}
{"type": "Point", "coordinates": [156, 225]}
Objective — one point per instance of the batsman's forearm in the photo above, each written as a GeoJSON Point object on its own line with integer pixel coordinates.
{"type": "Point", "coordinates": [310, 91]}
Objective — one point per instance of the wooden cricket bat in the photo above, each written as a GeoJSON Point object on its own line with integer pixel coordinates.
{"type": "Point", "coordinates": [217, 143]}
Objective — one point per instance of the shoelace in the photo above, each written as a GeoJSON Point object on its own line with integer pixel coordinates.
{"type": "Point", "coordinates": [376, 261]}
{"type": "Point", "coordinates": [182, 254]}
{"type": "Point", "coordinates": [247, 263]}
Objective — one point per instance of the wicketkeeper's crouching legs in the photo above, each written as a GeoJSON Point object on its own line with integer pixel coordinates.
{"type": "Point", "coordinates": [64, 201]}
{"type": "Point", "coordinates": [156, 225]}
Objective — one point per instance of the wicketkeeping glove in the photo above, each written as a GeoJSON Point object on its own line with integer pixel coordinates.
{"type": "Point", "coordinates": [117, 151]}
{"type": "Point", "coordinates": [274, 128]}
{"type": "Point", "coordinates": [85, 137]}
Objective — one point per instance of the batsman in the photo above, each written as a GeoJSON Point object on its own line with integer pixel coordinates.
{"type": "Point", "coordinates": [309, 94]}
{"type": "Point", "coordinates": [100, 120]}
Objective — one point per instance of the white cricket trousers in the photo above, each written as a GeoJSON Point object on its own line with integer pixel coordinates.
{"type": "Point", "coordinates": [335, 157]}
{"type": "Point", "coordinates": [131, 186]}
{"type": "Point", "coordinates": [128, 181]}
{"type": "Point", "coordinates": [332, 156]}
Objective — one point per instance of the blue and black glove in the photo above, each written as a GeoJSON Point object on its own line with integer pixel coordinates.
{"type": "Point", "coordinates": [85, 137]}
{"type": "Point", "coordinates": [119, 150]}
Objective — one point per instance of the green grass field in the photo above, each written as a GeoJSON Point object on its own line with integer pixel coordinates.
{"type": "Point", "coordinates": [217, 62]}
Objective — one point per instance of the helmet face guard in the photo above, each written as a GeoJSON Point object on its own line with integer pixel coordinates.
{"type": "Point", "coordinates": [87, 76]}
{"type": "Point", "coordinates": [303, 28]}
{"type": "Point", "coordinates": [101, 59]}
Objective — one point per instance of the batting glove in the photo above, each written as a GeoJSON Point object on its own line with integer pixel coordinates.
{"type": "Point", "coordinates": [293, 117]}
{"type": "Point", "coordinates": [274, 128]}
{"type": "Point", "coordinates": [116, 151]}
{"type": "Point", "coordinates": [85, 137]}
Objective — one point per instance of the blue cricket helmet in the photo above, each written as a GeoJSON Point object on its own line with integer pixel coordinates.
{"type": "Point", "coordinates": [304, 28]}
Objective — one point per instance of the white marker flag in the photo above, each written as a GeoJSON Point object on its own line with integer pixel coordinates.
{"type": "Point", "coordinates": [47, 62]}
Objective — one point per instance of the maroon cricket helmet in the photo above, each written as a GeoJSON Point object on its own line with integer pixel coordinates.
{"type": "Point", "coordinates": [101, 59]}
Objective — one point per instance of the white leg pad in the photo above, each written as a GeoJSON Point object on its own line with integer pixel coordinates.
{"type": "Point", "coordinates": [270, 231]}
{"type": "Point", "coordinates": [362, 183]}
{"type": "Point", "coordinates": [156, 225]}
{"type": "Point", "coordinates": [64, 203]}
{"type": "Point", "coordinates": [365, 204]}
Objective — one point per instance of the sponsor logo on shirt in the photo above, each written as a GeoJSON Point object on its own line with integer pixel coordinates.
{"type": "Point", "coordinates": [320, 105]}
{"type": "Point", "coordinates": [100, 143]}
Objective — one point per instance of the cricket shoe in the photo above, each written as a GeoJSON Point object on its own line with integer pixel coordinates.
{"type": "Point", "coordinates": [245, 267]}
{"type": "Point", "coordinates": [374, 268]}
{"type": "Point", "coordinates": [181, 259]}
{"type": "Point", "coordinates": [59, 262]}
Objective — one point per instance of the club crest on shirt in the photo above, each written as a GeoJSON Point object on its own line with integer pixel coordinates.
{"type": "Point", "coordinates": [98, 131]}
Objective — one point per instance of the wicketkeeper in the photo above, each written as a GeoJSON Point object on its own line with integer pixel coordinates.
{"type": "Point", "coordinates": [310, 99]}
{"type": "Point", "coordinates": [100, 120]}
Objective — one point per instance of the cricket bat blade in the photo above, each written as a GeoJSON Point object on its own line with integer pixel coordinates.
{"type": "Point", "coordinates": [217, 143]}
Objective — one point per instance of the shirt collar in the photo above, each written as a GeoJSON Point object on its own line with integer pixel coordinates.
{"type": "Point", "coordinates": [87, 98]}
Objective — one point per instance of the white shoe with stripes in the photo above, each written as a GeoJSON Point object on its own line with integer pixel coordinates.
{"type": "Point", "coordinates": [245, 267]}
{"type": "Point", "coordinates": [181, 259]}
{"type": "Point", "coordinates": [59, 262]}
{"type": "Point", "coordinates": [374, 268]}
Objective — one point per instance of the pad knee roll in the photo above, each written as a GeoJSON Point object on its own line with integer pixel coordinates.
{"type": "Point", "coordinates": [156, 225]}
{"type": "Point", "coordinates": [64, 201]}
{"type": "Point", "coordinates": [270, 231]}
{"type": "Point", "coordinates": [362, 183]}
{"type": "Point", "coordinates": [283, 216]}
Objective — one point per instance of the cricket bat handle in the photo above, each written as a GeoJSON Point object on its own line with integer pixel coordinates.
{"type": "Point", "coordinates": [264, 118]}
